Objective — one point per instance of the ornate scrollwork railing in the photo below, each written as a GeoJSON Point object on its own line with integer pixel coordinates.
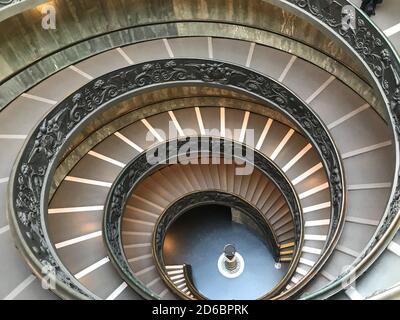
{"type": "Point", "coordinates": [4, 3]}
{"type": "Point", "coordinates": [368, 44]}
{"type": "Point", "coordinates": [187, 271]}
{"type": "Point", "coordinates": [145, 164]}
{"type": "Point", "coordinates": [45, 147]}
{"type": "Point", "coordinates": [194, 199]}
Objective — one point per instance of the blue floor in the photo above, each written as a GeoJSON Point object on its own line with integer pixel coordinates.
{"type": "Point", "coordinates": [198, 238]}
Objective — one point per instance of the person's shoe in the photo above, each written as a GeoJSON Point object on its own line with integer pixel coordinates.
{"type": "Point", "coordinates": [370, 10]}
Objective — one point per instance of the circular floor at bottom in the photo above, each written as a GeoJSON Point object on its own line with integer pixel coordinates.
{"type": "Point", "coordinates": [198, 238]}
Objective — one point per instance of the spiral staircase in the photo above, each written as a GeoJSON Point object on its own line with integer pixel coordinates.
{"type": "Point", "coordinates": [310, 107]}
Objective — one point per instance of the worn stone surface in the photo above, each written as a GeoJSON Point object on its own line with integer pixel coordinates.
{"type": "Point", "coordinates": [89, 19]}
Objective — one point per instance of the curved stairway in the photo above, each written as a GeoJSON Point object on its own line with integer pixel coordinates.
{"type": "Point", "coordinates": [84, 184]}
{"type": "Point", "coordinates": [160, 190]}
{"type": "Point", "coordinates": [75, 211]}
{"type": "Point", "coordinates": [346, 114]}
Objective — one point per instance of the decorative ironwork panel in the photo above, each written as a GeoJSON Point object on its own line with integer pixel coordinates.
{"type": "Point", "coordinates": [193, 200]}
{"type": "Point", "coordinates": [382, 61]}
{"type": "Point", "coordinates": [145, 164]}
{"type": "Point", "coordinates": [4, 3]}
{"type": "Point", "coordinates": [42, 151]}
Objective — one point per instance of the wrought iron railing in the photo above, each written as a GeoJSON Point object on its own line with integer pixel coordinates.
{"type": "Point", "coordinates": [368, 44]}
{"type": "Point", "coordinates": [4, 3]}
{"type": "Point", "coordinates": [189, 201]}
{"type": "Point", "coordinates": [43, 150]}
{"type": "Point", "coordinates": [144, 165]}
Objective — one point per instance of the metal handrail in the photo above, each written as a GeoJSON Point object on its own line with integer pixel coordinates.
{"type": "Point", "coordinates": [43, 150]}
{"type": "Point", "coordinates": [126, 182]}
{"type": "Point", "coordinates": [369, 45]}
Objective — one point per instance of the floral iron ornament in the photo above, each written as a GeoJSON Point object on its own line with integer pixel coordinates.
{"type": "Point", "coordinates": [45, 147]}
{"type": "Point", "coordinates": [370, 46]}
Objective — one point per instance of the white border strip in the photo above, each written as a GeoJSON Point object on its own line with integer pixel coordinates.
{"type": "Point", "coordinates": [75, 209]}
{"type": "Point", "coordinates": [327, 275]}
{"type": "Point", "coordinates": [394, 248]}
{"type": "Point", "coordinates": [163, 293]}
{"type": "Point", "coordinates": [107, 159]}
{"type": "Point", "coordinates": [347, 251]}
{"type": "Point", "coordinates": [297, 157]}
{"type": "Point", "coordinates": [125, 56]}
{"type": "Point", "coordinates": [154, 205]}
{"type": "Point", "coordinates": [348, 116]}
{"type": "Point", "coordinates": [128, 141]}
{"type": "Point", "coordinates": [4, 229]}
{"type": "Point", "coordinates": [143, 257]}
{"type": "Point", "coordinates": [168, 47]}
{"type": "Point", "coordinates": [88, 181]}
{"type": "Point", "coordinates": [311, 250]}
{"type": "Point", "coordinates": [153, 282]}
{"type": "Point", "coordinates": [222, 120]}
{"type": "Point", "coordinates": [368, 186]}
{"type": "Point", "coordinates": [4, 180]}
{"type": "Point", "coordinates": [320, 89]}
{"type": "Point", "coordinates": [250, 55]}
{"type": "Point", "coordinates": [115, 294]}
{"type": "Point", "coordinates": [301, 271]}
{"type": "Point", "coordinates": [21, 287]}
{"type": "Point", "coordinates": [315, 190]}
{"type": "Point", "coordinates": [200, 121]}
{"type": "Point", "coordinates": [307, 262]}
{"type": "Point", "coordinates": [306, 174]}
{"type": "Point", "coordinates": [210, 47]}
{"type": "Point", "coordinates": [152, 130]}
{"type": "Point", "coordinates": [317, 207]}
{"type": "Point", "coordinates": [392, 30]}
{"type": "Point", "coordinates": [353, 294]}
{"type": "Point", "coordinates": [314, 237]}
{"type": "Point", "coordinates": [244, 126]}
{"type": "Point", "coordinates": [78, 239]}
{"type": "Point", "coordinates": [282, 144]}
{"type": "Point", "coordinates": [176, 123]}
{"type": "Point", "coordinates": [144, 271]}
{"type": "Point", "coordinates": [137, 245]}
{"type": "Point", "coordinates": [287, 68]}
{"type": "Point", "coordinates": [137, 221]}
{"type": "Point", "coordinates": [357, 220]}
{"type": "Point", "coordinates": [91, 268]}
{"type": "Point", "coordinates": [80, 72]}
{"type": "Point", "coordinates": [135, 209]}
{"type": "Point", "coordinates": [317, 223]}
{"type": "Point", "coordinates": [366, 149]}
{"type": "Point", "coordinates": [136, 233]}
{"type": "Point", "coordinates": [40, 99]}
{"type": "Point", "coordinates": [264, 133]}
{"type": "Point", "coordinates": [13, 136]}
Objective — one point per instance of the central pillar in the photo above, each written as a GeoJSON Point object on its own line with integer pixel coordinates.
{"type": "Point", "coordinates": [230, 263]}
